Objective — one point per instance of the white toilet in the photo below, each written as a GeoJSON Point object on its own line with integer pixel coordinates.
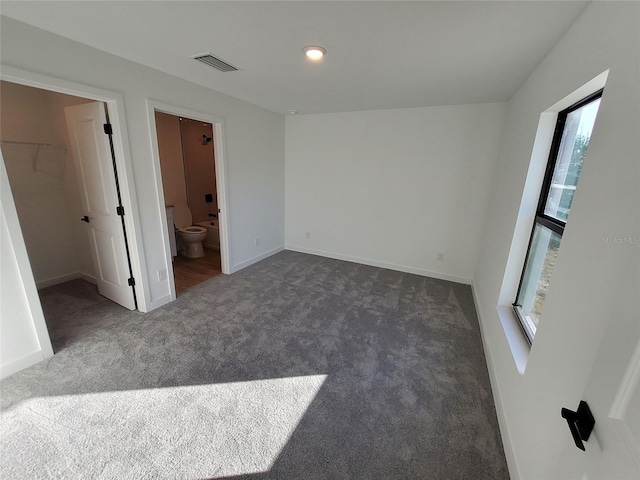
{"type": "Point", "coordinates": [190, 236]}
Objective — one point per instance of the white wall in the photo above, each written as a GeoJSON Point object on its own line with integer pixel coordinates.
{"type": "Point", "coordinates": [393, 188]}
{"type": "Point", "coordinates": [595, 283]}
{"type": "Point", "coordinates": [46, 197]}
{"type": "Point", "coordinates": [254, 143]}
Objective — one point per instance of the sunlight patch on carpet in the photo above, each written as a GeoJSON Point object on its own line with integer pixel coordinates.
{"type": "Point", "coordinates": [200, 431]}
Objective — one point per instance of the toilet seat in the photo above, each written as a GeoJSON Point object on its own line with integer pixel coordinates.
{"type": "Point", "coordinates": [192, 229]}
{"type": "Point", "coordinates": [190, 236]}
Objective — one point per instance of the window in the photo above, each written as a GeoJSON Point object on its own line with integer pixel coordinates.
{"type": "Point", "coordinates": [568, 148]}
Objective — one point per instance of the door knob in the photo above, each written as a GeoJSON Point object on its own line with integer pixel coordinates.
{"type": "Point", "coordinates": [580, 423]}
{"type": "Point", "coordinates": [85, 219]}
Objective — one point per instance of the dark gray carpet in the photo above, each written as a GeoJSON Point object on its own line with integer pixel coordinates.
{"type": "Point", "coordinates": [298, 367]}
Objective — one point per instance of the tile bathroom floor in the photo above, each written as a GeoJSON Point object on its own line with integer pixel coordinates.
{"type": "Point", "coordinates": [188, 272]}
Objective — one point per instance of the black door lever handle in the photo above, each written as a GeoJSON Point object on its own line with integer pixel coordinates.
{"type": "Point", "coordinates": [580, 423]}
{"type": "Point", "coordinates": [85, 219]}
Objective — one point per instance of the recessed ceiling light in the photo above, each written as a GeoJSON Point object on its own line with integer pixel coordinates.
{"type": "Point", "coordinates": [314, 52]}
{"type": "Point", "coordinates": [293, 112]}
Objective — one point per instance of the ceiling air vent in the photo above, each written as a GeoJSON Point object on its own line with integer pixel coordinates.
{"type": "Point", "coordinates": [215, 62]}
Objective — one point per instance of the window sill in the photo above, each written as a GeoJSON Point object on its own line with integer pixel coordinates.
{"type": "Point", "coordinates": [516, 339]}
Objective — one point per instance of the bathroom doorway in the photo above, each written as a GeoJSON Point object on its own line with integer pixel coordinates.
{"type": "Point", "coordinates": [186, 151]}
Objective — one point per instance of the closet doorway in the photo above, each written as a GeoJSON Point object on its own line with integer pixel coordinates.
{"type": "Point", "coordinates": [61, 166]}
{"type": "Point", "coordinates": [44, 209]}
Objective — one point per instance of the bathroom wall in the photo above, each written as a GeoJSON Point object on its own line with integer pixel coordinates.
{"type": "Point", "coordinates": [171, 164]}
{"type": "Point", "coordinates": [188, 169]}
{"type": "Point", "coordinates": [199, 167]}
{"type": "Point", "coordinates": [44, 182]}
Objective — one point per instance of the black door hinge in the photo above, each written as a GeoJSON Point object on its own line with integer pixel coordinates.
{"type": "Point", "coordinates": [131, 281]}
{"type": "Point", "coordinates": [107, 129]}
{"type": "Point", "coordinates": [120, 210]}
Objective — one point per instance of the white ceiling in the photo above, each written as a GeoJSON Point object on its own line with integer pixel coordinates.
{"type": "Point", "coordinates": [380, 54]}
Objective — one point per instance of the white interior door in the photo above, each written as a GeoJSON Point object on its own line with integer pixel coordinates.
{"type": "Point", "coordinates": [91, 151]}
{"type": "Point", "coordinates": [613, 394]}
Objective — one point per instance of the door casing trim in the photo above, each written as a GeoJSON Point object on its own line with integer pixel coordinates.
{"type": "Point", "coordinates": [221, 177]}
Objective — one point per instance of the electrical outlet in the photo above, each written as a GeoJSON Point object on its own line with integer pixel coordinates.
{"type": "Point", "coordinates": [440, 257]}
{"type": "Point", "coordinates": [308, 235]}
{"type": "Point", "coordinates": [162, 275]}
{"type": "Point", "coordinates": [257, 241]}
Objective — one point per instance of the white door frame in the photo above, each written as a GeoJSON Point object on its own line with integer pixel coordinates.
{"type": "Point", "coordinates": [115, 107]}
{"type": "Point", "coordinates": [221, 176]}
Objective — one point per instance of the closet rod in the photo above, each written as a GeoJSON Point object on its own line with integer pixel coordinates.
{"type": "Point", "coordinates": [40, 144]}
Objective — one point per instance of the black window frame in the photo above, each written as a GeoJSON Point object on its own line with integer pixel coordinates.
{"type": "Point", "coordinates": [554, 224]}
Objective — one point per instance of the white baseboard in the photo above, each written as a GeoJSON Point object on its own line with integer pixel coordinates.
{"type": "Point", "coordinates": [88, 278]}
{"type": "Point", "coordinates": [21, 363]}
{"type": "Point", "coordinates": [256, 259]}
{"type": "Point", "coordinates": [376, 263]}
{"type": "Point", "coordinates": [49, 282]}
{"type": "Point", "coordinates": [56, 280]}
{"type": "Point", "coordinates": [505, 433]}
